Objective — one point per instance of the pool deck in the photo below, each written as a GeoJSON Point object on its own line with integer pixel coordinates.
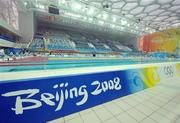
{"type": "Point", "coordinates": [5, 76]}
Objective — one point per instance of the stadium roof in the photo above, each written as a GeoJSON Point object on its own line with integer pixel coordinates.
{"type": "Point", "coordinates": [160, 14]}
{"type": "Point", "coordinates": [135, 16]}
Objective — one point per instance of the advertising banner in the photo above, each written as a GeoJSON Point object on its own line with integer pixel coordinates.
{"type": "Point", "coordinates": [43, 99]}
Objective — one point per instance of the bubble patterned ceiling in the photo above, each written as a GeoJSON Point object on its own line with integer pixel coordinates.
{"type": "Point", "coordinates": [160, 14]}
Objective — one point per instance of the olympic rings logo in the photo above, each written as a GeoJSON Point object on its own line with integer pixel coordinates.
{"type": "Point", "coordinates": [168, 70]}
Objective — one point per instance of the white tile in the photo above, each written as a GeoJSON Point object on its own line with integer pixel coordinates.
{"type": "Point", "coordinates": [125, 97]}
{"type": "Point", "coordinates": [60, 120]}
{"type": "Point", "coordinates": [136, 114]}
{"type": "Point", "coordinates": [117, 100]}
{"type": "Point", "coordinates": [177, 120]}
{"type": "Point", "coordinates": [85, 111]}
{"type": "Point", "coordinates": [164, 120]}
{"type": "Point", "coordinates": [123, 105]}
{"type": "Point", "coordinates": [103, 114]}
{"type": "Point", "coordinates": [167, 114]}
{"type": "Point", "coordinates": [144, 109]}
{"type": "Point", "coordinates": [172, 107]}
{"type": "Point", "coordinates": [156, 102]}
{"type": "Point", "coordinates": [114, 109]}
{"type": "Point", "coordinates": [131, 96]}
{"type": "Point", "coordinates": [69, 117]}
{"type": "Point", "coordinates": [90, 118]}
{"type": "Point", "coordinates": [112, 120]}
{"type": "Point", "coordinates": [148, 120]}
{"type": "Point", "coordinates": [131, 102]}
{"type": "Point", "coordinates": [176, 111]}
{"type": "Point", "coordinates": [125, 118]}
{"type": "Point", "coordinates": [176, 100]}
{"type": "Point", "coordinates": [144, 96]}
{"type": "Point", "coordinates": [138, 99]}
{"type": "Point", "coordinates": [166, 96]}
{"type": "Point", "coordinates": [98, 107]}
{"type": "Point", "coordinates": [151, 105]}
{"type": "Point", "coordinates": [158, 117]}
{"type": "Point", "coordinates": [75, 120]}
{"type": "Point", "coordinates": [164, 101]}
{"type": "Point", "coordinates": [108, 103]}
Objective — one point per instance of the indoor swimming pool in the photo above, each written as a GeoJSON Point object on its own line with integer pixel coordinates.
{"type": "Point", "coordinates": [72, 63]}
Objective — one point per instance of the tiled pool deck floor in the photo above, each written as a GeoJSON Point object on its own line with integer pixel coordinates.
{"type": "Point", "coordinates": [160, 104]}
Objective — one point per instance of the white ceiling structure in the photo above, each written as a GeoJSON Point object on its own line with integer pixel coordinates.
{"type": "Point", "coordinates": [160, 14]}
{"type": "Point", "coordinates": [134, 16]}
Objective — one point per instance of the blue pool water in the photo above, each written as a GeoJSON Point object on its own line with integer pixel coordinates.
{"type": "Point", "coordinates": [60, 64]}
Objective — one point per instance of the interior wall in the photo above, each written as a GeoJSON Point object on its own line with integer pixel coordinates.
{"type": "Point", "coordinates": [27, 25]}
